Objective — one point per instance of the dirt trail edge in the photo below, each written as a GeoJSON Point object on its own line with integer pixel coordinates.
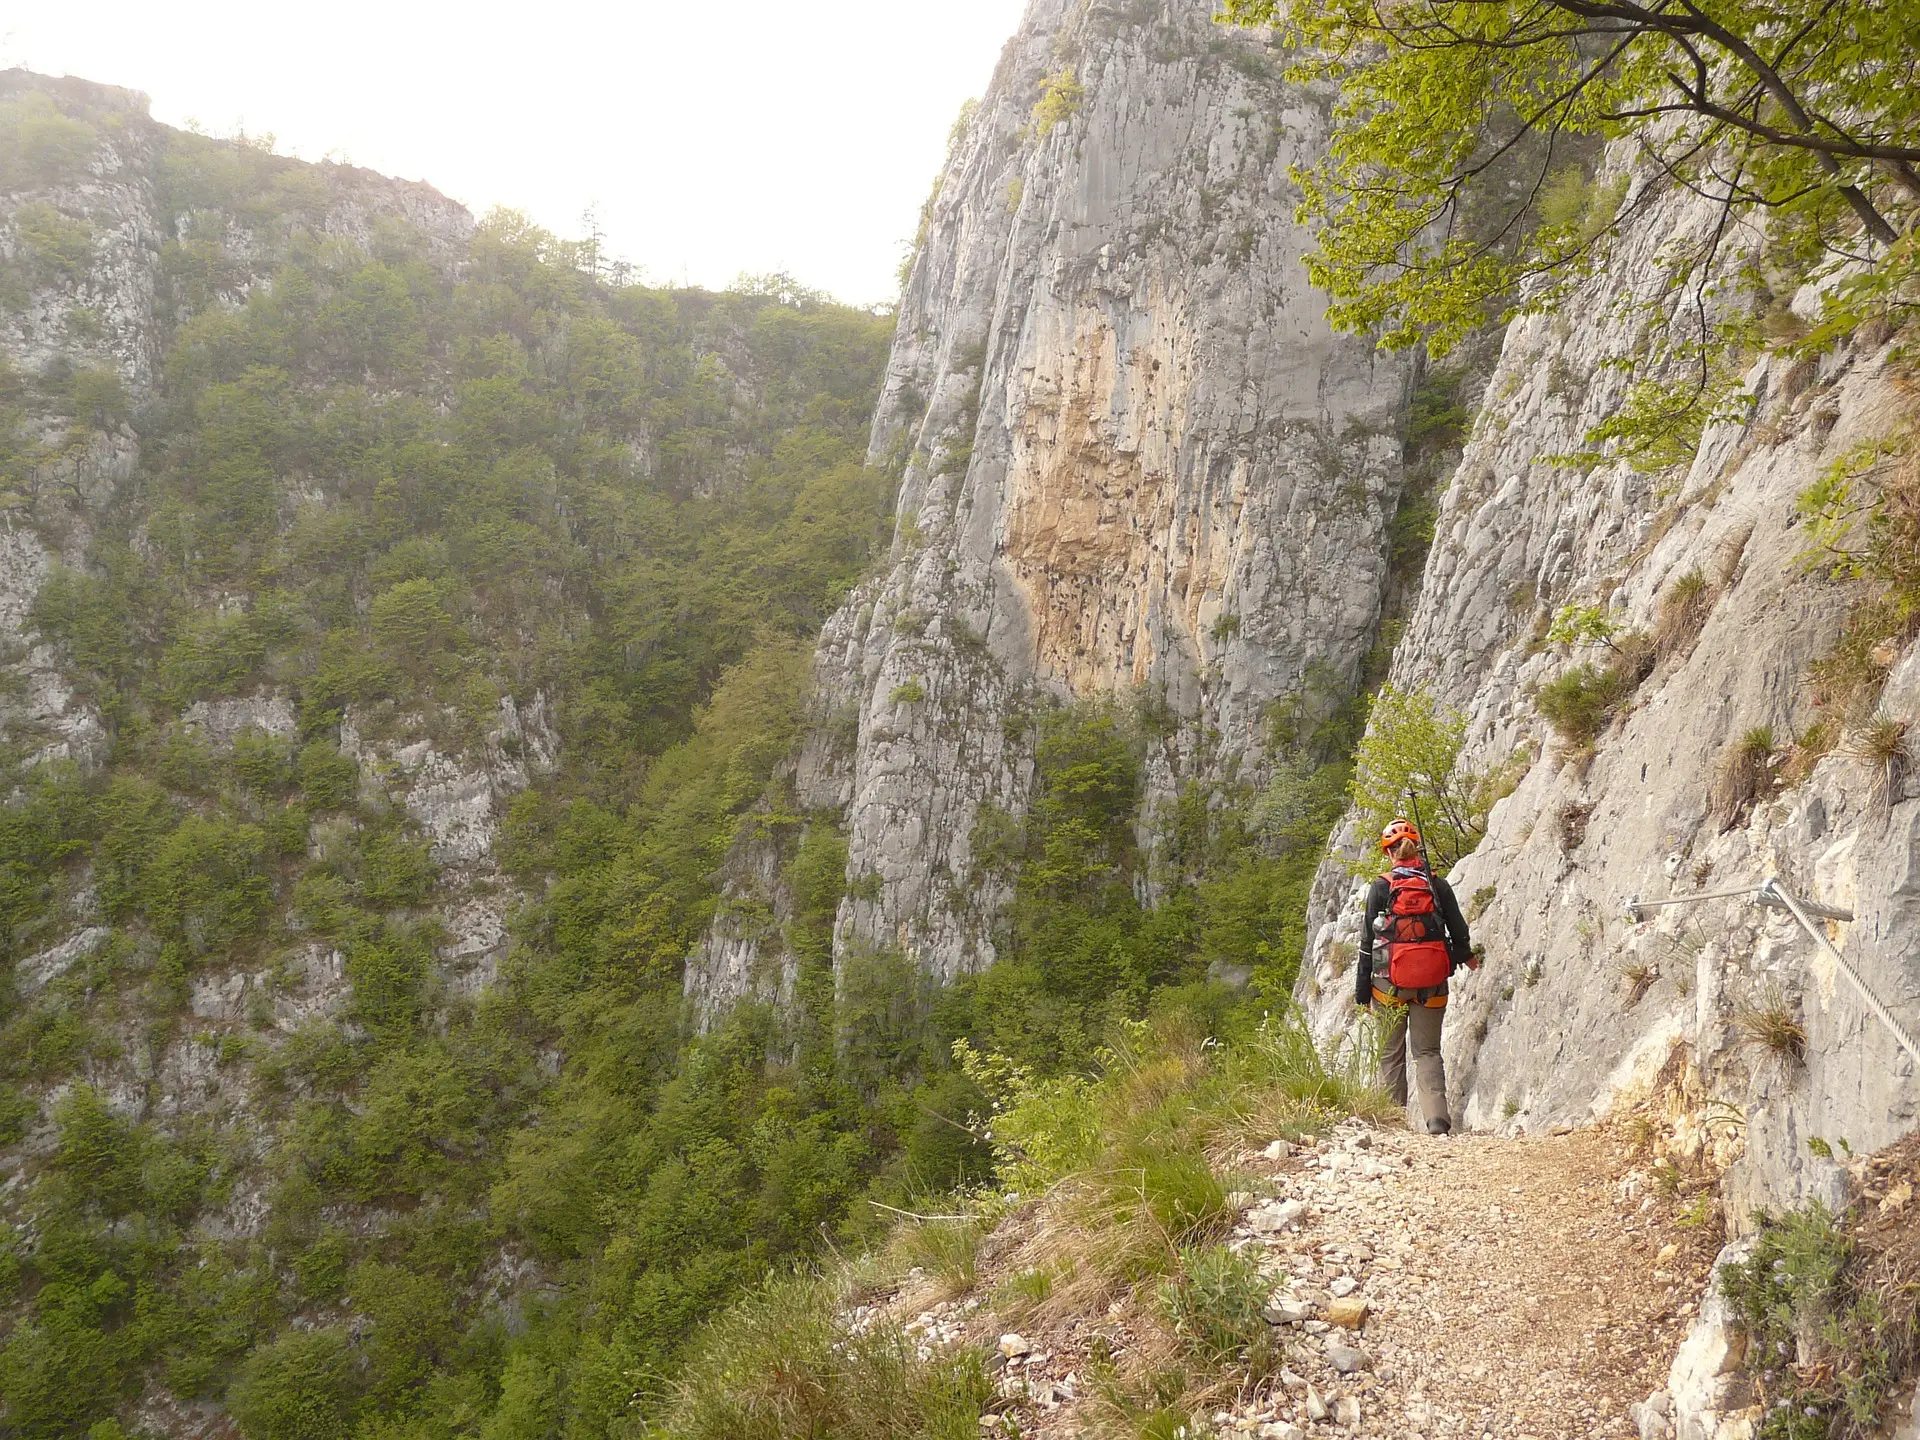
{"type": "Point", "coordinates": [1471, 1285]}
{"type": "Point", "coordinates": [1514, 1286]}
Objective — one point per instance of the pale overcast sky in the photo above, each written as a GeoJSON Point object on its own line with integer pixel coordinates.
{"type": "Point", "coordinates": [709, 139]}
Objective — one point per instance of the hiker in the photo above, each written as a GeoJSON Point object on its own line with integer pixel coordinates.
{"type": "Point", "coordinates": [1414, 938]}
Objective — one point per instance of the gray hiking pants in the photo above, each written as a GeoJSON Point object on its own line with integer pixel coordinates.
{"type": "Point", "coordinates": [1415, 1028]}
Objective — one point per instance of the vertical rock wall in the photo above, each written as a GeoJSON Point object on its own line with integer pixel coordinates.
{"type": "Point", "coordinates": [1135, 459]}
{"type": "Point", "coordinates": [1579, 1007]}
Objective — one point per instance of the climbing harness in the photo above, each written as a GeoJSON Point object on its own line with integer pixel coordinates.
{"type": "Point", "coordinates": [1775, 896]}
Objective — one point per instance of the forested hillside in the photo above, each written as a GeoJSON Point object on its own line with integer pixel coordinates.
{"type": "Point", "coordinates": [398, 488]}
{"type": "Point", "coordinates": [410, 617]}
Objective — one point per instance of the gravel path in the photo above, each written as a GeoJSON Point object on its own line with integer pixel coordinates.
{"type": "Point", "coordinates": [1514, 1287]}
{"type": "Point", "coordinates": [1469, 1286]}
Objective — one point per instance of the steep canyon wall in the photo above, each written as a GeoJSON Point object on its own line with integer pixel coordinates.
{"type": "Point", "coordinates": [1136, 461]}
{"type": "Point", "coordinates": [1579, 1008]}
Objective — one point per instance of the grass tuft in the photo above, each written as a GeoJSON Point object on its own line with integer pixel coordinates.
{"type": "Point", "coordinates": [1745, 775]}
{"type": "Point", "coordinates": [786, 1364]}
{"type": "Point", "coordinates": [1771, 1022]}
{"type": "Point", "coordinates": [1809, 748]}
{"type": "Point", "coordinates": [1580, 703]}
{"type": "Point", "coordinates": [1883, 742]}
{"type": "Point", "coordinates": [1638, 976]}
{"type": "Point", "coordinates": [1683, 610]}
{"type": "Point", "coordinates": [947, 1250]}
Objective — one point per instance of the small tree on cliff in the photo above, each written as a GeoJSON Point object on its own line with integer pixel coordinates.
{"type": "Point", "coordinates": [1409, 760]}
{"type": "Point", "coordinates": [1455, 190]}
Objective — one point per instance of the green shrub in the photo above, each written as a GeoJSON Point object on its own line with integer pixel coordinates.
{"type": "Point", "coordinates": [55, 247]}
{"type": "Point", "coordinates": [301, 1387]}
{"type": "Point", "coordinates": [412, 621]}
{"type": "Point", "coordinates": [328, 778]}
{"type": "Point", "coordinates": [388, 970]}
{"type": "Point", "coordinates": [1061, 95]}
{"type": "Point", "coordinates": [1831, 1347]}
{"type": "Point", "coordinates": [1580, 702]}
{"type": "Point", "coordinates": [1215, 1304]}
{"type": "Point", "coordinates": [394, 871]}
{"type": "Point", "coordinates": [17, 1114]}
{"type": "Point", "coordinates": [263, 762]}
{"type": "Point", "coordinates": [208, 888]}
{"type": "Point", "coordinates": [38, 144]}
{"type": "Point", "coordinates": [212, 656]}
{"type": "Point", "coordinates": [100, 1156]}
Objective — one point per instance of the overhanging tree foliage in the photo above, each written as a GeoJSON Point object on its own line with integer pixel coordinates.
{"type": "Point", "coordinates": [1453, 189]}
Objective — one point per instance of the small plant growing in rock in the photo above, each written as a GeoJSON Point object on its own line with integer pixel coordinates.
{"type": "Point", "coordinates": [1214, 1305]}
{"type": "Point", "coordinates": [1771, 1022]}
{"type": "Point", "coordinates": [1638, 976]}
{"type": "Point", "coordinates": [1572, 825]}
{"type": "Point", "coordinates": [1808, 749]}
{"type": "Point", "coordinates": [1059, 100]}
{"type": "Point", "coordinates": [1584, 625]}
{"type": "Point", "coordinates": [1745, 776]}
{"type": "Point", "coordinates": [1684, 607]}
{"type": "Point", "coordinates": [1580, 703]}
{"type": "Point", "coordinates": [1832, 1322]}
{"type": "Point", "coordinates": [911, 692]}
{"type": "Point", "coordinates": [1883, 743]}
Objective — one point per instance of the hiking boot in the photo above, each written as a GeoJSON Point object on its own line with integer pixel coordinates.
{"type": "Point", "coordinates": [1441, 1126]}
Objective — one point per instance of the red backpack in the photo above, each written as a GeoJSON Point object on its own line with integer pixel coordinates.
{"type": "Point", "coordinates": [1417, 955]}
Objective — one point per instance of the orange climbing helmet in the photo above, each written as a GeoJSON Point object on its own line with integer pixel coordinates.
{"type": "Point", "coordinates": [1396, 832]}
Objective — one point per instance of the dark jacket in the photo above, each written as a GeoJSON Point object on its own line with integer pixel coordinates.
{"type": "Point", "coordinates": [1459, 942]}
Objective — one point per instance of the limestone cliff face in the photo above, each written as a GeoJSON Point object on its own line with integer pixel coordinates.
{"type": "Point", "coordinates": [1135, 458]}
{"type": "Point", "coordinates": [1563, 1022]}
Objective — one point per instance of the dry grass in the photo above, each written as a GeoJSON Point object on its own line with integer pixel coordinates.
{"type": "Point", "coordinates": [1571, 822]}
{"type": "Point", "coordinates": [1638, 976]}
{"type": "Point", "coordinates": [1683, 610]}
{"type": "Point", "coordinates": [1809, 748]}
{"type": "Point", "coordinates": [1745, 775]}
{"type": "Point", "coordinates": [1732, 552]}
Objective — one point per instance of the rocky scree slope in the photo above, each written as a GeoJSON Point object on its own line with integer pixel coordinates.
{"type": "Point", "coordinates": [1137, 461]}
